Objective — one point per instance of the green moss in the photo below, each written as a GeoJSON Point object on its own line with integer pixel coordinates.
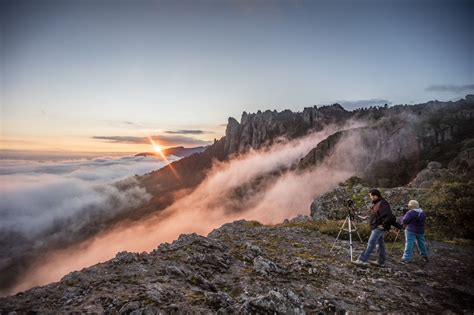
{"type": "Point", "coordinates": [252, 224]}
{"type": "Point", "coordinates": [272, 244]}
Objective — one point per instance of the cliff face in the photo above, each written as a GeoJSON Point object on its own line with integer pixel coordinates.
{"type": "Point", "coordinates": [359, 148]}
{"type": "Point", "coordinates": [263, 128]}
{"type": "Point", "coordinates": [400, 142]}
{"type": "Point", "coordinates": [246, 268]}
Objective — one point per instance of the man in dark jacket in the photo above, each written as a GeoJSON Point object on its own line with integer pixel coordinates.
{"type": "Point", "coordinates": [380, 218]}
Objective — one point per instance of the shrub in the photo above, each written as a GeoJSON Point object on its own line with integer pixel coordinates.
{"type": "Point", "coordinates": [450, 208]}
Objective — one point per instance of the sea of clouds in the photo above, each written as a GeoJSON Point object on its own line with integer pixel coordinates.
{"type": "Point", "coordinates": [54, 203]}
{"type": "Point", "coordinates": [36, 193]}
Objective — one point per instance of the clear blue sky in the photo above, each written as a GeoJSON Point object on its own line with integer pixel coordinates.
{"type": "Point", "coordinates": [73, 70]}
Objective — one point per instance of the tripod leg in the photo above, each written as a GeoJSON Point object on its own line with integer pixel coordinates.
{"type": "Point", "coordinates": [355, 229]}
{"type": "Point", "coordinates": [350, 237]}
{"type": "Point", "coordinates": [338, 234]}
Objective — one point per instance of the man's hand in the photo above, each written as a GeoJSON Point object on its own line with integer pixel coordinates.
{"type": "Point", "coordinates": [380, 227]}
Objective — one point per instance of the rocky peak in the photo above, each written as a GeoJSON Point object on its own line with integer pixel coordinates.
{"type": "Point", "coordinates": [263, 127]}
{"type": "Point", "coordinates": [231, 136]}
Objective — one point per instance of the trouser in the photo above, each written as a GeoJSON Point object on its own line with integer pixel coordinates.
{"type": "Point", "coordinates": [410, 238]}
{"type": "Point", "coordinates": [376, 238]}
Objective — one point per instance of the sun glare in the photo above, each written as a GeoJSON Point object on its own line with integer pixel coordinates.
{"type": "Point", "coordinates": [157, 148]}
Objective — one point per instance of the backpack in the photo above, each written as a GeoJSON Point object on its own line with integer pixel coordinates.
{"type": "Point", "coordinates": [391, 220]}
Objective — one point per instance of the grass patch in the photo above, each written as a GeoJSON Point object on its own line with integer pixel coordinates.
{"type": "Point", "coordinates": [272, 244]}
{"type": "Point", "coordinates": [332, 227]}
{"type": "Point", "coordinates": [442, 237]}
{"type": "Point", "coordinates": [196, 297]}
{"type": "Point", "coordinates": [252, 224]}
{"type": "Point", "coordinates": [305, 255]}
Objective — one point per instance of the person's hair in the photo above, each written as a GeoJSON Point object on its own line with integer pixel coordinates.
{"type": "Point", "coordinates": [413, 204]}
{"type": "Point", "coordinates": [375, 192]}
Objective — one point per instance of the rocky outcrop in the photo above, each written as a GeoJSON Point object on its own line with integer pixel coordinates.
{"type": "Point", "coordinates": [433, 172]}
{"type": "Point", "coordinates": [263, 128]}
{"type": "Point", "coordinates": [464, 160]}
{"type": "Point", "coordinates": [246, 268]}
{"type": "Point", "coordinates": [231, 135]}
{"type": "Point", "coordinates": [333, 204]}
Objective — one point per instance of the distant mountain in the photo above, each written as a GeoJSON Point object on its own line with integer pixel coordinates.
{"type": "Point", "coordinates": [176, 151]}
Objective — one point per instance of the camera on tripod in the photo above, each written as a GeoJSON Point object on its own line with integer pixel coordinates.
{"type": "Point", "coordinates": [351, 209]}
{"type": "Point", "coordinates": [351, 227]}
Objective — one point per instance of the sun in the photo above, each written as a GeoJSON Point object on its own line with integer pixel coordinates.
{"type": "Point", "coordinates": [157, 148]}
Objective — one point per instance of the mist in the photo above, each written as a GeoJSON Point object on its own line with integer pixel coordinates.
{"type": "Point", "coordinates": [55, 204]}
{"type": "Point", "coordinates": [259, 185]}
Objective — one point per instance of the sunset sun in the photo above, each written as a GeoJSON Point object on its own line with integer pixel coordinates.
{"type": "Point", "coordinates": [157, 148]}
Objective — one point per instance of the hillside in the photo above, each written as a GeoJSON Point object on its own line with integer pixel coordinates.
{"type": "Point", "coordinates": [246, 267]}
{"type": "Point", "coordinates": [176, 151]}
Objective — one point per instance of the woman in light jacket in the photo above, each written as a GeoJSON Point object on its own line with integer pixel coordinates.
{"type": "Point", "coordinates": [414, 223]}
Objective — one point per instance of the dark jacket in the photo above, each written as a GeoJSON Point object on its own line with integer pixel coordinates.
{"type": "Point", "coordinates": [414, 221]}
{"type": "Point", "coordinates": [380, 214]}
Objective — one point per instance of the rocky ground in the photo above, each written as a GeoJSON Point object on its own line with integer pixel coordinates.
{"type": "Point", "coordinates": [245, 267]}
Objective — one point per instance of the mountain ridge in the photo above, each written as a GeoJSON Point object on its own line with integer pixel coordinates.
{"type": "Point", "coordinates": [179, 151]}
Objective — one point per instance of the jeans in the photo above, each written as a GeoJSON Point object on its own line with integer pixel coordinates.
{"type": "Point", "coordinates": [410, 238]}
{"type": "Point", "coordinates": [376, 237]}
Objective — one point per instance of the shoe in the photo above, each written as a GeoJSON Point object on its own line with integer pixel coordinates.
{"type": "Point", "coordinates": [361, 263]}
{"type": "Point", "coordinates": [376, 263]}
{"type": "Point", "coordinates": [404, 262]}
{"type": "Point", "coordinates": [425, 258]}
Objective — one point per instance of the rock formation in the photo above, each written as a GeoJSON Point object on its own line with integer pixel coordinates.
{"type": "Point", "coordinates": [263, 128]}
{"type": "Point", "coordinates": [247, 268]}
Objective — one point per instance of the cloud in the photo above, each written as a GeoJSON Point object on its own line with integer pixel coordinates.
{"type": "Point", "coordinates": [123, 139]}
{"type": "Point", "coordinates": [131, 123]}
{"type": "Point", "coordinates": [349, 105]}
{"type": "Point", "coordinates": [166, 140]}
{"type": "Point", "coordinates": [48, 205]}
{"type": "Point", "coordinates": [188, 132]}
{"type": "Point", "coordinates": [451, 88]}
{"type": "Point", "coordinates": [105, 168]}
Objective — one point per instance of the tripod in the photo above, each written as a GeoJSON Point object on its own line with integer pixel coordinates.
{"type": "Point", "coordinates": [351, 228]}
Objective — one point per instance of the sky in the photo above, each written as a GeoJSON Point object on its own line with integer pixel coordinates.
{"type": "Point", "coordinates": [90, 76]}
